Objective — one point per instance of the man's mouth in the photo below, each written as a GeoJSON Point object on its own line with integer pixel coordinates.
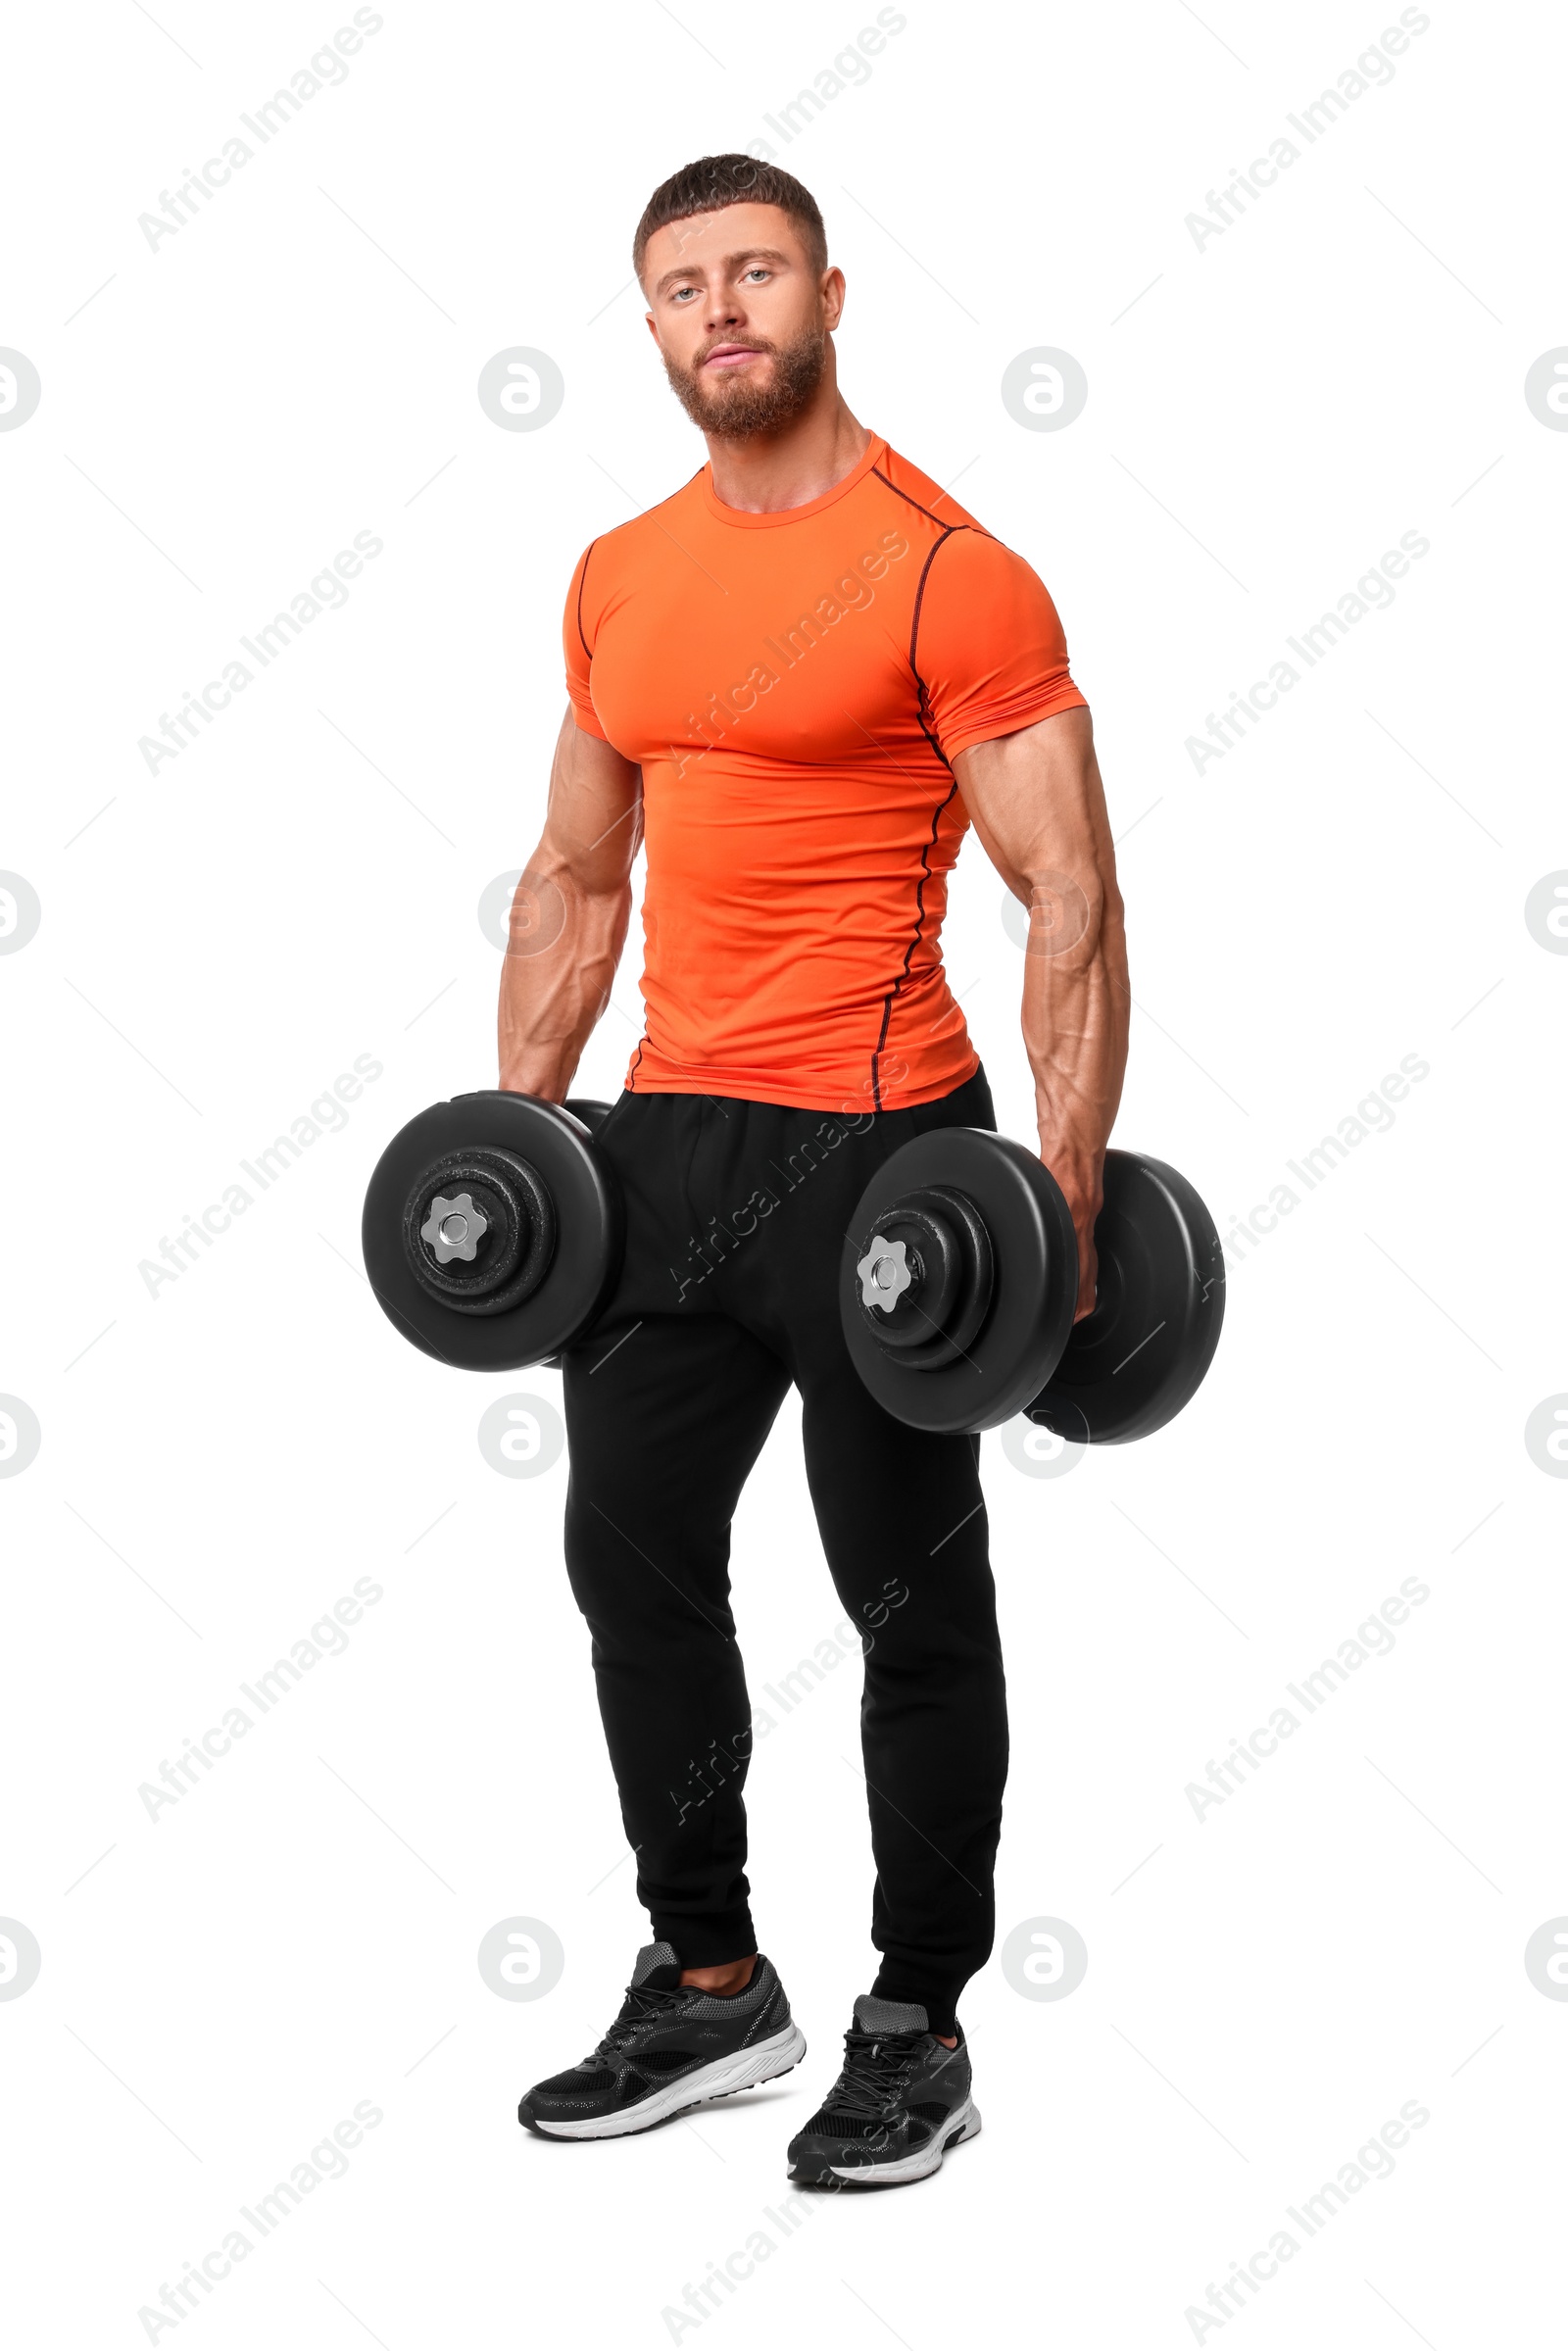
{"type": "Point", "coordinates": [725, 355]}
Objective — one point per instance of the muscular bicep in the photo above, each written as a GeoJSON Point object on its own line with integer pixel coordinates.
{"type": "Point", "coordinates": [594, 825]}
{"type": "Point", "coordinates": [1037, 803]}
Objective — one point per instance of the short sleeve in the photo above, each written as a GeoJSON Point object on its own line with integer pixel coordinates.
{"type": "Point", "coordinates": [988, 645]}
{"type": "Point", "coordinates": [575, 641]}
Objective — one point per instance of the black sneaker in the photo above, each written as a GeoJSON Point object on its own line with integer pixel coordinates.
{"type": "Point", "coordinates": [670, 2048]}
{"type": "Point", "coordinates": [901, 2102]}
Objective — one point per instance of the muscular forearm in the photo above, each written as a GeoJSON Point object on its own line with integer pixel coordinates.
{"type": "Point", "coordinates": [568, 915]}
{"type": "Point", "coordinates": [1074, 1020]}
{"type": "Point", "coordinates": [1039, 805]}
{"type": "Point", "coordinates": [555, 987]}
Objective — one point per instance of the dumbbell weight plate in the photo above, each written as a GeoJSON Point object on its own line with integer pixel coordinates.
{"type": "Point", "coordinates": [591, 1113]}
{"type": "Point", "coordinates": [504, 1151]}
{"type": "Point", "coordinates": [1159, 1302]}
{"type": "Point", "coordinates": [1034, 1280]}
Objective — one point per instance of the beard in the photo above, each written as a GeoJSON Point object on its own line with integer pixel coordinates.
{"type": "Point", "coordinates": [736, 406]}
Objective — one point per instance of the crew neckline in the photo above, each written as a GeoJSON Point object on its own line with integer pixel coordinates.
{"type": "Point", "coordinates": [739, 519]}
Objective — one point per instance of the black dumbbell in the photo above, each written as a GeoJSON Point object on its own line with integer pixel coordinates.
{"type": "Point", "coordinates": [961, 1276]}
{"type": "Point", "coordinates": [493, 1233]}
{"type": "Point", "coordinates": [493, 1230]}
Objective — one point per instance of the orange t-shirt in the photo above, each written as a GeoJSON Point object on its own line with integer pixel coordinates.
{"type": "Point", "coordinates": [795, 688]}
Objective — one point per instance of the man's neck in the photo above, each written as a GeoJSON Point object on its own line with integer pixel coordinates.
{"type": "Point", "coordinates": [765, 474]}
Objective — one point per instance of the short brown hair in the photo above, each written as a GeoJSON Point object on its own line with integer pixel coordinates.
{"type": "Point", "coordinates": [716, 180]}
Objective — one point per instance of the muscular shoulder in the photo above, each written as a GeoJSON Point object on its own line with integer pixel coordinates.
{"type": "Point", "coordinates": [986, 641]}
{"type": "Point", "coordinates": [618, 558]}
{"type": "Point", "coordinates": [966, 570]}
{"type": "Point", "coordinates": [925, 507]}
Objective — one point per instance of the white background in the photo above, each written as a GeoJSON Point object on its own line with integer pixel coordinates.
{"type": "Point", "coordinates": [220, 1461]}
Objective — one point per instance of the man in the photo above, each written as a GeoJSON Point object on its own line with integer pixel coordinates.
{"type": "Point", "coordinates": [797, 682]}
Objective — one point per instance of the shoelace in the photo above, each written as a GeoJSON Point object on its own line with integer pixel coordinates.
{"type": "Point", "coordinates": [643, 2001]}
{"type": "Point", "coordinates": [875, 2066]}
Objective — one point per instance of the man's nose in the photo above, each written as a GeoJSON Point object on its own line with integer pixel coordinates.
{"type": "Point", "coordinates": [723, 310]}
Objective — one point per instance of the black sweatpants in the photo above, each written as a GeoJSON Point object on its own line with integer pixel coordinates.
{"type": "Point", "coordinates": [736, 1214]}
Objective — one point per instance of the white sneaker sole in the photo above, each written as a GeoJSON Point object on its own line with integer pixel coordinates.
{"type": "Point", "coordinates": [963, 2123]}
{"type": "Point", "coordinates": [763, 2062]}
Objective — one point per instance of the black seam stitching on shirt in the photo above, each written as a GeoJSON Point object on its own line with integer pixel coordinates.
{"type": "Point", "coordinates": [582, 582]}
{"type": "Point", "coordinates": [925, 509]}
{"type": "Point", "coordinates": [914, 941]}
{"type": "Point", "coordinates": [909, 501]}
{"type": "Point", "coordinates": [919, 596]}
{"type": "Point", "coordinates": [922, 704]}
{"type": "Point", "coordinates": [921, 708]}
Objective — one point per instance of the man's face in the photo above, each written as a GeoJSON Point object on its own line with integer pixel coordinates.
{"type": "Point", "coordinates": [741, 318]}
